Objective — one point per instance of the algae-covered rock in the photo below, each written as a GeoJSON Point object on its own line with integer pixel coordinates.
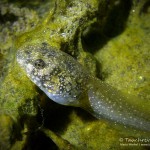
{"type": "Point", "coordinates": [109, 38]}
{"type": "Point", "coordinates": [13, 103]}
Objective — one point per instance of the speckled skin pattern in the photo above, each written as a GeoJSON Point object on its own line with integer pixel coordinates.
{"type": "Point", "coordinates": [55, 72]}
{"type": "Point", "coordinates": [66, 82]}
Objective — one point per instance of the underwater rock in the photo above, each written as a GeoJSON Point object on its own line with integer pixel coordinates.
{"type": "Point", "coordinates": [77, 29]}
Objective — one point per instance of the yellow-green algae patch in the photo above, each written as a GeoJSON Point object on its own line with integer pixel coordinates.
{"type": "Point", "coordinates": [17, 93]}
{"type": "Point", "coordinates": [16, 90]}
{"type": "Point", "coordinates": [128, 63]}
{"type": "Point", "coordinates": [6, 129]}
{"type": "Point", "coordinates": [126, 58]}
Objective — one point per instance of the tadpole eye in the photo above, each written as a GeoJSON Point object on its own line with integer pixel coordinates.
{"type": "Point", "coordinates": [39, 64]}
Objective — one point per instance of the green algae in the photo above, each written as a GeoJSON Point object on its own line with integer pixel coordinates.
{"type": "Point", "coordinates": [13, 103]}
{"type": "Point", "coordinates": [124, 63]}
{"type": "Point", "coordinates": [130, 49]}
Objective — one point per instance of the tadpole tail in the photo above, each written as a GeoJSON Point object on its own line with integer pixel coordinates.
{"type": "Point", "coordinates": [104, 101]}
